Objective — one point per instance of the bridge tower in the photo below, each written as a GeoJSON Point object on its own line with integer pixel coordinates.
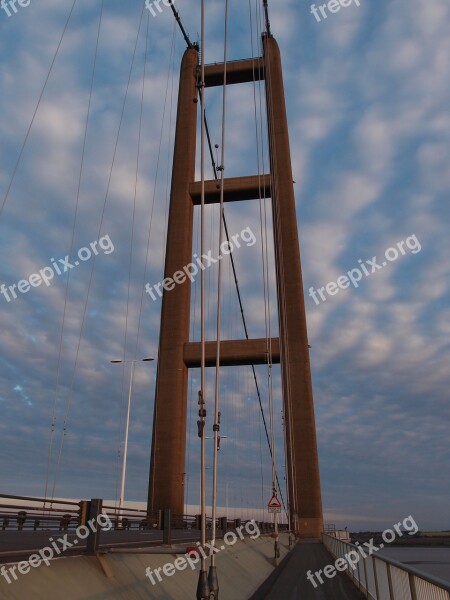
{"type": "Point", "coordinates": [177, 353]}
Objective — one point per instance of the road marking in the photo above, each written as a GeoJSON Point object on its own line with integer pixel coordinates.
{"type": "Point", "coordinates": [384, 264]}
{"type": "Point", "coordinates": [76, 263]}
{"type": "Point", "coordinates": [222, 547]}
{"type": "Point", "coordinates": [75, 541]}
{"type": "Point", "coordinates": [381, 545]}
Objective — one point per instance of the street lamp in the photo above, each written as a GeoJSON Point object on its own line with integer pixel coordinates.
{"type": "Point", "coordinates": [125, 450]}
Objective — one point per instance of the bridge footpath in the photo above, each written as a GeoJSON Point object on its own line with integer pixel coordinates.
{"type": "Point", "coordinates": [289, 580]}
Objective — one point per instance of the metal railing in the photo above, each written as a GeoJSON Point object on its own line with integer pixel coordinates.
{"type": "Point", "coordinates": [26, 513]}
{"type": "Point", "coordinates": [30, 513]}
{"type": "Point", "coordinates": [381, 578]}
{"type": "Point", "coordinates": [94, 527]}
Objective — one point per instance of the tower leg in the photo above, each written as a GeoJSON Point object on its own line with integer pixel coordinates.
{"type": "Point", "coordinates": [166, 486]}
{"type": "Point", "coordinates": [301, 445]}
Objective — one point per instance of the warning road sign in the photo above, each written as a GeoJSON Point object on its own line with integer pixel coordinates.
{"type": "Point", "coordinates": [274, 505]}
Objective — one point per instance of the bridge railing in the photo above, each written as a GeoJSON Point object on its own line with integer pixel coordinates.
{"type": "Point", "coordinates": [30, 513]}
{"type": "Point", "coordinates": [382, 578]}
{"type": "Point", "coordinates": [27, 513]}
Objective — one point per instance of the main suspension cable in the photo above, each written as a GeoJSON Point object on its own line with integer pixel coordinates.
{"type": "Point", "coordinates": [176, 14]}
{"type": "Point", "coordinates": [266, 13]}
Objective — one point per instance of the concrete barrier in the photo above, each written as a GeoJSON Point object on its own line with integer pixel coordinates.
{"type": "Point", "coordinates": [241, 568]}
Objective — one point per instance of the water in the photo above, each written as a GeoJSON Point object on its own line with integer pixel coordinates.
{"type": "Point", "coordinates": [432, 561]}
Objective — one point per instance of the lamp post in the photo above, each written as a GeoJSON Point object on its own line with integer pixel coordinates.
{"type": "Point", "coordinates": [125, 450]}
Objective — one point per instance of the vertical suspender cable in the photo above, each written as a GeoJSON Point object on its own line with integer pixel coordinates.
{"type": "Point", "coordinates": [66, 293]}
{"type": "Point", "coordinates": [149, 235]}
{"type": "Point", "coordinates": [289, 437]}
{"type": "Point", "coordinates": [91, 276]}
{"type": "Point", "coordinates": [205, 125]}
{"type": "Point", "coordinates": [265, 259]}
{"type": "Point", "coordinates": [282, 300]}
{"type": "Point", "coordinates": [202, 587]}
{"type": "Point", "coordinates": [213, 582]}
{"type": "Point", "coordinates": [41, 95]}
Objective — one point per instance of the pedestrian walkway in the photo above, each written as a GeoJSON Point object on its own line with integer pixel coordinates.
{"type": "Point", "coordinates": [289, 580]}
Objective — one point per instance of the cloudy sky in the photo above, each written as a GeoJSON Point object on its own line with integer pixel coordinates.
{"type": "Point", "coordinates": [368, 106]}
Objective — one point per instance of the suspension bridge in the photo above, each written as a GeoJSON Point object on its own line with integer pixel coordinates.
{"type": "Point", "coordinates": [212, 371]}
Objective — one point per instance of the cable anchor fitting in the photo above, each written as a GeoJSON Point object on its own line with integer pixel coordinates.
{"type": "Point", "coordinates": [201, 428]}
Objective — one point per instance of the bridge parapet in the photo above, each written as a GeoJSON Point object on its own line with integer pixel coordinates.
{"type": "Point", "coordinates": [382, 578]}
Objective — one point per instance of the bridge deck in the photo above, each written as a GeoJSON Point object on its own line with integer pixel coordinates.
{"type": "Point", "coordinates": [289, 580]}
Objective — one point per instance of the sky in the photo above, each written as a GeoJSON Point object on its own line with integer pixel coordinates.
{"type": "Point", "coordinates": [368, 109]}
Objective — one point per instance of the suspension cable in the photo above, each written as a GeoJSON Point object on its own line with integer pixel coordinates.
{"type": "Point", "coordinates": [267, 315]}
{"type": "Point", "coordinates": [91, 276]}
{"type": "Point", "coordinates": [66, 293]}
{"type": "Point", "coordinates": [204, 125]}
{"type": "Point", "coordinates": [149, 235]}
{"type": "Point", "coordinates": [266, 13]}
{"type": "Point", "coordinates": [284, 348]}
{"type": "Point", "coordinates": [130, 265]}
{"type": "Point", "coordinates": [191, 393]}
{"type": "Point", "coordinates": [241, 309]}
{"type": "Point", "coordinates": [176, 14]}
{"type": "Point", "coordinates": [44, 87]}
{"type": "Point", "coordinates": [213, 582]}
{"type": "Point", "coordinates": [203, 586]}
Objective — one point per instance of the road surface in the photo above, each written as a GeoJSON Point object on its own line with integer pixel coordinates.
{"type": "Point", "coordinates": [289, 580]}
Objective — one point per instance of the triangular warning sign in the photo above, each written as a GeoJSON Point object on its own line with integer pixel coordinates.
{"type": "Point", "coordinates": [274, 502]}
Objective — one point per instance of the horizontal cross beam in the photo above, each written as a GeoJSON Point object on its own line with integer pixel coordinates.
{"type": "Point", "coordinates": [232, 353]}
{"type": "Point", "coordinates": [235, 189]}
{"type": "Point", "coordinates": [238, 71]}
